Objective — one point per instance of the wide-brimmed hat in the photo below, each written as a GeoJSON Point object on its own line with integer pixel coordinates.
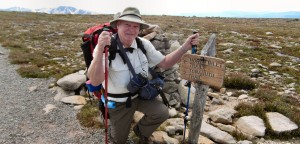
{"type": "Point", "coordinates": [130, 14]}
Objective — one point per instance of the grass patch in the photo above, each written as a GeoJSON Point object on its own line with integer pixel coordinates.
{"type": "Point", "coordinates": [88, 116]}
{"type": "Point", "coordinates": [239, 81]}
{"type": "Point", "coordinates": [239, 136]}
{"type": "Point", "coordinates": [292, 51]}
{"type": "Point", "coordinates": [19, 56]}
{"type": "Point", "coordinates": [265, 94]}
{"type": "Point", "coordinates": [246, 109]}
{"type": "Point", "coordinates": [268, 95]}
{"type": "Point", "coordinates": [298, 89]}
{"type": "Point", "coordinates": [288, 70]}
{"type": "Point", "coordinates": [12, 44]}
{"type": "Point", "coordinates": [25, 56]}
{"type": "Point", "coordinates": [33, 72]}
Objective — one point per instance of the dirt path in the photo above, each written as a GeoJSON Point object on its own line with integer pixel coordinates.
{"type": "Point", "coordinates": [22, 118]}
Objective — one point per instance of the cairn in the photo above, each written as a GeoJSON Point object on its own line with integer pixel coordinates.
{"type": "Point", "coordinates": [172, 80]}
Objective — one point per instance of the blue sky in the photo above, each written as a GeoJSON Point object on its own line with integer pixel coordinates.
{"type": "Point", "coordinates": [168, 7]}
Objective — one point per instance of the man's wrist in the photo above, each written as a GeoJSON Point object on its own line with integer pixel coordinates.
{"type": "Point", "coordinates": [100, 48]}
{"type": "Point", "coordinates": [183, 50]}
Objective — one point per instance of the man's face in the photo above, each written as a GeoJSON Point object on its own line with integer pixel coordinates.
{"type": "Point", "coordinates": [128, 31]}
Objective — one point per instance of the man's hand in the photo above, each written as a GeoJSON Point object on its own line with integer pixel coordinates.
{"type": "Point", "coordinates": [191, 40]}
{"type": "Point", "coordinates": [104, 40]}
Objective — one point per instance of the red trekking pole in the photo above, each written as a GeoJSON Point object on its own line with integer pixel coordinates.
{"type": "Point", "coordinates": [105, 94]}
{"type": "Point", "coordinates": [106, 89]}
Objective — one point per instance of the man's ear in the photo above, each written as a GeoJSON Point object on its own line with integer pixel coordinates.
{"type": "Point", "coordinates": [118, 23]}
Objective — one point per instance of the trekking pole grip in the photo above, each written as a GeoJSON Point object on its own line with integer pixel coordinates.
{"type": "Point", "coordinates": [194, 47]}
{"type": "Point", "coordinates": [108, 30]}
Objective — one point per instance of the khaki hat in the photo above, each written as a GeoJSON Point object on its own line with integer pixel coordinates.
{"type": "Point", "coordinates": [130, 14]}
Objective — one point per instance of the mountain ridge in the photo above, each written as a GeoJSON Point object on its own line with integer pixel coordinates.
{"type": "Point", "coordinates": [57, 10]}
{"type": "Point", "coordinates": [232, 14]}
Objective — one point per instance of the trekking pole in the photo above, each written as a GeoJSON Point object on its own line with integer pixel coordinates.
{"type": "Point", "coordinates": [106, 90]}
{"type": "Point", "coordinates": [188, 84]}
{"type": "Point", "coordinates": [105, 94]}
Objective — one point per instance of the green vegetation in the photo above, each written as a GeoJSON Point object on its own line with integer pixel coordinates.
{"type": "Point", "coordinates": [32, 71]}
{"type": "Point", "coordinates": [239, 81]}
{"type": "Point", "coordinates": [298, 89]}
{"type": "Point", "coordinates": [89, 116]}
{"type": "Point", "coordinates": [45, 37]}
{"type": "Point", "coordinates": [238, 136]}
{"type": "Point", "coordinates": [288, 70]}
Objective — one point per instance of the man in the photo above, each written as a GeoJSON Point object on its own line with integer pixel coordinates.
{"type": "Point", "coordinates": [129, 23]}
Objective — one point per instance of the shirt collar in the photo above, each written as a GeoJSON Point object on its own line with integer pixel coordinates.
{"type": "Point", "coordinates": [134, 44]}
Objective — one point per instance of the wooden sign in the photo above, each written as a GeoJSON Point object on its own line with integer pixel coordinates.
{"type": "Point", "coordinates": [208, 70]}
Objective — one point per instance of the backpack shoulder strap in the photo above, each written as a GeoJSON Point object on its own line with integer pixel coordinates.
{"type": "Point", "coordinates": [140, 45]}
{"type": "Point", "coordinates": [113, 50]}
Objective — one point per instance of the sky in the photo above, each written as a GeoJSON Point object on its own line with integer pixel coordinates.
{"type": "Point", "coordinates": [159, 7]}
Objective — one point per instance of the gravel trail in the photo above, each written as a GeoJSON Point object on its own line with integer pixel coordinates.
{"type": "Point", "coordinates": [22, 118]}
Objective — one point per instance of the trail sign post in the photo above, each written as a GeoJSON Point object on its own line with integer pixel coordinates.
{"type": "Point", "coordinates": [204, 71]}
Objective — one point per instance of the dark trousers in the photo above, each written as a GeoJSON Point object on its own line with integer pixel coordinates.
{"type": "Point", "coordinates": [155, 113]}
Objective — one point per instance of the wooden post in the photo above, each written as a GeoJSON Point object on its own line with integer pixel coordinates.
{"type": "Point", "coordinates": [210, 47]}
{"type": "Point", "coordinates": [200, 96]}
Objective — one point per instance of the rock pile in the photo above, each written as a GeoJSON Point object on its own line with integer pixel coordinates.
{"type": "Point", "coordinates": [162, 44]}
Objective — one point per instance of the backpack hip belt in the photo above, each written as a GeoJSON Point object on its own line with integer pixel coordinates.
{"type": "Point", "coordinates": [121, 97]}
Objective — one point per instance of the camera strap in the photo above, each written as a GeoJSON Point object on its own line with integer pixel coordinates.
{"type": "Point", "coordinates": [122, 50]}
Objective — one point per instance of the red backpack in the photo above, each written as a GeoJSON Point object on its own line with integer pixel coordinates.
{"type": "Point", "coordinates": [90, 40]}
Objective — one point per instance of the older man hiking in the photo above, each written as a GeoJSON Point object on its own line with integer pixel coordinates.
{"type": "Point", "coordinates": [129, 23]}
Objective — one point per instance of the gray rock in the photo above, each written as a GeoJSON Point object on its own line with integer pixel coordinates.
{"type": "Point", "coordinates": [183, 92]}
{"type": "Point", "coordinates": [280, 123]}
{"type": "Point", "coordinates": [72, 81]}
{"type": "Point", "coordinates": [216, 134]}
{"type": "Point", "coordinates": [77, 100]}
{"type": "Point", "coordinates": [251, 125]}
{"type": "Point", "coordinates": [223, 115]}
{"type": "Point", "coordinates": [275, 64]}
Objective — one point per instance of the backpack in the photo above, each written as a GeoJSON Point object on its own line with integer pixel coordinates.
{"type": "Point", "coordinates": [90, 40]}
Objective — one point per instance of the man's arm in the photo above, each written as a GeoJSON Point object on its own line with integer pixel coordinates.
{"type": "Point", "coordinates": [175, 56]}
{"type": "Point", "coordinates": [96, 71]}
